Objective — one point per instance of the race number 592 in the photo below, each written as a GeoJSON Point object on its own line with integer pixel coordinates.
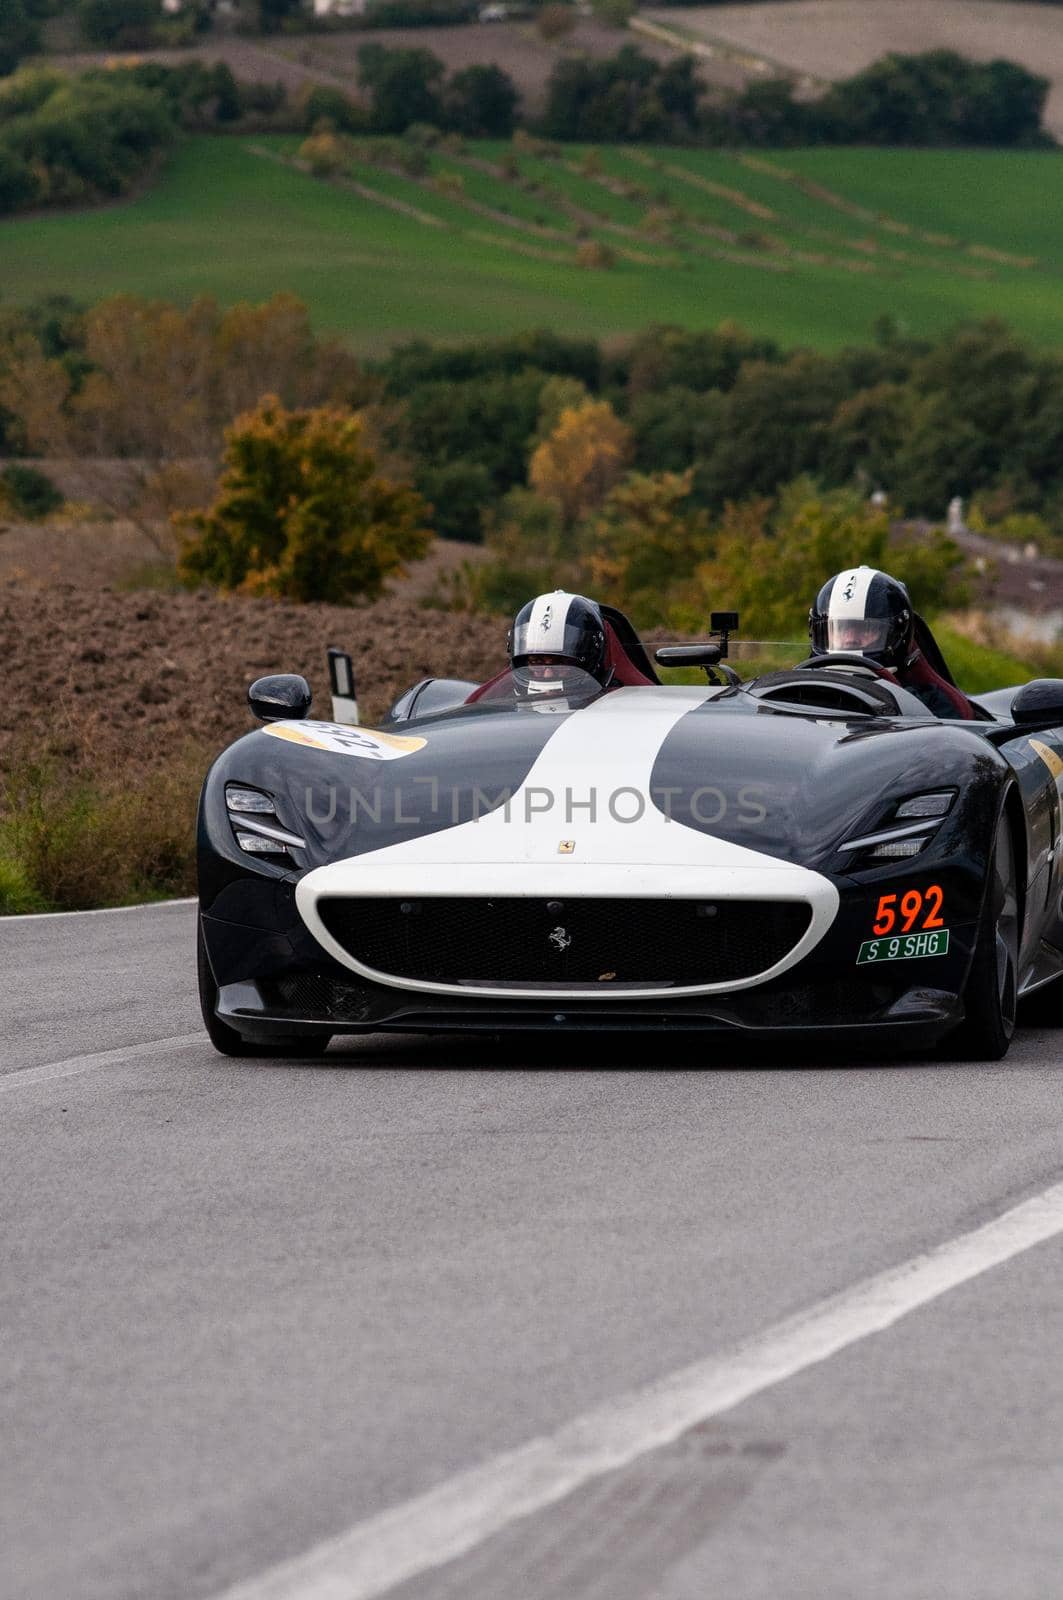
{"type": "Point", "coordinates": [916, 908]}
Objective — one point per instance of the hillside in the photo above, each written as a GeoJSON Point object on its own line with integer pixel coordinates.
{"type": "Point", "coordinates": [811, 247]}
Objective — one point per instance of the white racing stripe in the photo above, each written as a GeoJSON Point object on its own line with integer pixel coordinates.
{"type": "Point", "coordinates": [848, 598]}
{"type": "Point", "coordinates": [25, 1077]}
{"type": "Point", "coordinates": [590, 784]}
{"type": "Point", "coordinates": [459, 1514]}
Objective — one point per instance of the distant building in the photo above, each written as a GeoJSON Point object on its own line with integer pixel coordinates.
{"type": "Point", "coordinates": [339, 8]}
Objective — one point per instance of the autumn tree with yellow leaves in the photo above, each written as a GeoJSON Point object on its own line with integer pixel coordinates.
{"type": "Point", "coordinates": [583, 458]}
{"type": "Point", "coordinates": [301, 511]}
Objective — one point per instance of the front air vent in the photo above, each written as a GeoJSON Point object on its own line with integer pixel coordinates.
{"type": "Point", "coordinates": [526, 943]}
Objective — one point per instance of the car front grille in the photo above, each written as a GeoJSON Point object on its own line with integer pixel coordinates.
{"type": "Point", "coordinates": [605, 944]}
{"type": "Point", "coordinates": [316, 997]}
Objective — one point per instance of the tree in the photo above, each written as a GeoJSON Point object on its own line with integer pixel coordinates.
{"type": "Point", "coordinates": [642, 547]}
{"type": "Point", "coordinates": [583, 458]}
{"type": "Point", "coordinates": [301, 511]}
{"type": "Point", "coordinates": [937, 98]}
{"type": "Point", "coordinates": [626, 96]}
{"type": "Point", "coordinates": [481, 102]}
{"type": "Point", "coordinates": [769, 568]}
{"type": "Point", "coordinates": [404, 86]}
{"type": "Point", "coordinates": [486, 422]}
{"type": "Point", "coordinates": [458, 492]}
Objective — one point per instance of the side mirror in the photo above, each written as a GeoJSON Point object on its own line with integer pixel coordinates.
{"type": "Point", "coordinates": [1040, 703]}
{"type": "Point", "coordinates": [687, 655]}
{"type": "Point", "coordinates": [281, 695]}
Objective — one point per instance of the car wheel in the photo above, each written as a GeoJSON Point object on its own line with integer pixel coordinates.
{"type": "Point", "coordinates": [992, 985]}
{"type": "Point", "coordinates": [225, 1039]}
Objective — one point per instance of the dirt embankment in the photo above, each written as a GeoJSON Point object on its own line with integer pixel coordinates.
{"type": "Point", "coordinates": [116, 677]}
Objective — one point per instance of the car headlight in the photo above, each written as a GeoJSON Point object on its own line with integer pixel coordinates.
{"type": "Point", "coordinates": [899, 837]}
{"type": "Point", "coordinates": [892, 849]}
{"type": "Point", "coordinates": [249, 810]}
{"type": "Point", "coordinates": [935, 804]}
{"type": "Point", "coordinates": [237, 798]}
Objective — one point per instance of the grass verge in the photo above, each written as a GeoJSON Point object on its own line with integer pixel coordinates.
{"type": "Point", "coordinates": [81, 839]}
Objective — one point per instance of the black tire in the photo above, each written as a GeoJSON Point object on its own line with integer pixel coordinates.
{"type": "Point", "coordinates": [225, 1039]}
{"type": "Point", "coordinates": [991, 994]}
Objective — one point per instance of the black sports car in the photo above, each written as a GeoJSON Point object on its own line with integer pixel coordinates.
{"type": "Point", "coordinates": [811, 852]}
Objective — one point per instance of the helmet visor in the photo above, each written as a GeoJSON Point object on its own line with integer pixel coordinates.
{"type": "Point", "coordinates": [868, 635]}
{"type": "Point", "coordinates": [541, 677]}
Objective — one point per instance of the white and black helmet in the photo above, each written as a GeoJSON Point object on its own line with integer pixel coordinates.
{"type": "Point", "coordinates": [866, 611]}
{"type": "Point", "coordinates": [557, 643]}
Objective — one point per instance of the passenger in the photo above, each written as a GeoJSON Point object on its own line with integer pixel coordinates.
{"type": "Point", "coordinates": [868, 612]}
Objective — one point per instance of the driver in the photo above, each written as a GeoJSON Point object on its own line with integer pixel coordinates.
{"type": "Point", "coordinates": [868, 612]}
{"type": "Point", "coordinates": [558, 648]}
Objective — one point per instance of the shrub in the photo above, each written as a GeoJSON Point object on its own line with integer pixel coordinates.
{"type": "Point", "coordinates": [76, 840]}
{"type": "Point", "coordinates": [29, 493]}
{"type": "Point", "coordinates": [322, 104]}
{"type": "Point", "coordinates": [18, 185]}
{"type": "Point", "coordinates": [301, 511]}
{"type": "Point", "coordinates": [324, 154]}
{"type": "Point", "coordinates": [77, 137]}
{"type": "Point", "coordinates": [595, 255]}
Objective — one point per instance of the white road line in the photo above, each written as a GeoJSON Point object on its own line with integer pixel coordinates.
{"type": "Point", "coordinates": [98, 911]}
{"type": "Point", "coordinates": [25, 1077]}
{"type": "Point", "coordinates": [460, 1513]}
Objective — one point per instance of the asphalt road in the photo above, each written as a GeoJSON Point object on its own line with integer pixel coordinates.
{"type": "Point", "coordinates": [245, 1306]}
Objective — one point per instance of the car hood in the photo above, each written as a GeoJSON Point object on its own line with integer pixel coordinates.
{"type": "Point", "coordinates": [628, 778]}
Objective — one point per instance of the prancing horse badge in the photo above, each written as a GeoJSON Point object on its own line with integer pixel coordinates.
{"type": "Point", "coordinates": [566, 847]}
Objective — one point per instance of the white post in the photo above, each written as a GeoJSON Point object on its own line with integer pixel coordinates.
{"type": "Point", "coordinates": [341, 681]}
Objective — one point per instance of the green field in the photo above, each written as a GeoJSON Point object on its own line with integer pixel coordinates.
{"type": "Point", "coordinates": [811, 246]}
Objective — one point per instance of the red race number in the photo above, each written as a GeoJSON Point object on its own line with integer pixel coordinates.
{"type": "Point", "coordinates": [915, 904]}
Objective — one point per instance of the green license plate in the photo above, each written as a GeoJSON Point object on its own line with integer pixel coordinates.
{"type": "Point", "coordinates": [904, 947]}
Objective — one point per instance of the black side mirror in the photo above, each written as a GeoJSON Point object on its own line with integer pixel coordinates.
{"type": "Point", "coordinates": [687, 655]}
{"type": "Point", "coordinates": [1040, 702]}
{"type": "Point", "coordinates": [282, 695]}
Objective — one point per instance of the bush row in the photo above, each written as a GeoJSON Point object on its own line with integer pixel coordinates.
{"type": "Point", "coordinates": [933, 99]}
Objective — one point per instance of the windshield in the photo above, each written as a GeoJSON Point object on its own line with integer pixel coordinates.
{"type": "Point", "coordinates": [750, 658]}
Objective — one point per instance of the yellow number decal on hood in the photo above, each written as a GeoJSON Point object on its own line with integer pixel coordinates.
{"type": "Point", "coordinates": [342, 740]}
